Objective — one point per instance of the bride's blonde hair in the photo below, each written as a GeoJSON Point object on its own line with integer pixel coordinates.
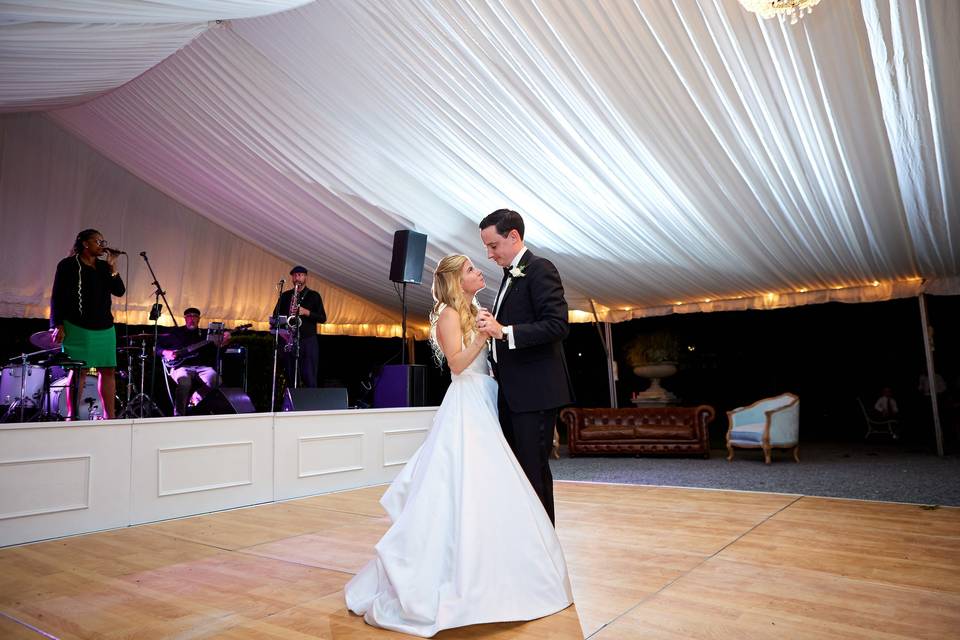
{"type": "Point", "coordinates": [448, 291]}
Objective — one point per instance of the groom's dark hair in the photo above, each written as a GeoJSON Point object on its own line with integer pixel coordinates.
{"type": "Point", "coordinates": [505, 220]}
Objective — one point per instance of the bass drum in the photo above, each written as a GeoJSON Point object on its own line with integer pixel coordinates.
{"type": "Point", "coordinates": [89, 405]}
{"type": "Point", "coordinates": [10, 378]}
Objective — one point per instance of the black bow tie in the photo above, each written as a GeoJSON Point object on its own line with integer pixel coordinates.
{"type": "Point", "coordinates": [506, 272]}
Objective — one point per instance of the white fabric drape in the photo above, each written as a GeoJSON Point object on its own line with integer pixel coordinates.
{"type": "Point", "coordinates": [54, 185]}
{"type": "Point", "coordinates": [56, 53]}
{"type": "Point", "coordinates": [661, 152]}
{"type": "Point", "coordinates": [138, 11]}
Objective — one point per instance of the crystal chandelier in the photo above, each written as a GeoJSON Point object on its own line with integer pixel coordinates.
{"type": "Point", "coordinates": [793, 9]}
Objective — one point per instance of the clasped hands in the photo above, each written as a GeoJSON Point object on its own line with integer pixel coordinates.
{"type": "Point", "coordinates": [488, 325]}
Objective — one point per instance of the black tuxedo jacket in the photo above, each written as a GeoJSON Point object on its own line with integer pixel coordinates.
{"type": "Point", "coordinates": [309, 299]}
{"type": "Point", "coordinates": [534, 375]}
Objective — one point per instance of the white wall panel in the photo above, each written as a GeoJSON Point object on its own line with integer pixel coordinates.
{"type": "Point", "coordinates": [335, 453]}
{"type": "Point", "coordinates": [58, 480]}
{"type": "Point", "coordinates": [400, 444]}
{"type": "Point", "coordinates": [195, 465]}
{"type": "Point", "coordinates": [320, 451]}
{"type": "Point", "coordinates": [204, 467]}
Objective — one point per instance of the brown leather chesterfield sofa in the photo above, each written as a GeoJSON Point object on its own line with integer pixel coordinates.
{"type": "Point", "coordinates": [647, 430]}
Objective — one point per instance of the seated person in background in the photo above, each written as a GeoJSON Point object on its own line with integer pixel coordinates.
{"type": "Point", "coordinates": [886, 404]}
{"type": "Point", "coordinates": [190, 358]}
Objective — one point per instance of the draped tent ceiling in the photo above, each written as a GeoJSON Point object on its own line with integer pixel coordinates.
{"type": "Point", "coordinates": [668, 155]}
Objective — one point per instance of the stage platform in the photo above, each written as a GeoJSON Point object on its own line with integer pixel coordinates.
{"type": "Point", "coordinates": [645, 562]}
{"type": "Point", "coordinates": [65, 478]}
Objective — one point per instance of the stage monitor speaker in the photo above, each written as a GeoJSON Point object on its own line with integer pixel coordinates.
{"type": "Point", "coordinates": [409, 249]}
{"type": "Point", "coordinates": [401, 385]}
{"type": "Point", "coordinates": [224, 401]}
{"type": "Point", "coordinates": [311, 399]}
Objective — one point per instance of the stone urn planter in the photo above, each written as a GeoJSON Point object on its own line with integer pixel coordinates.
{"type": "Point", "coordinates": [655, 372]}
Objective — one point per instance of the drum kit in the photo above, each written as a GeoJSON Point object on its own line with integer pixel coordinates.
{"type": "Point", "coordinates": [33, 386]}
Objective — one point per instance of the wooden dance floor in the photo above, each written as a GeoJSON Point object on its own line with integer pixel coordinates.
{"type": "Point", "coordinates": [646, 562]}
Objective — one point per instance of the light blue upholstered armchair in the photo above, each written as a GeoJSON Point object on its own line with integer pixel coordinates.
{"type": "Point", "coordinates": [771, 423]}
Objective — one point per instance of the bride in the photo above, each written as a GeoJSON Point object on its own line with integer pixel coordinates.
{"type": "Point", "coordinates": [470, 541]}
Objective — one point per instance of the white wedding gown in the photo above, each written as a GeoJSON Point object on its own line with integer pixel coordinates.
{"type": "Point", "coordinates": [470, 542]}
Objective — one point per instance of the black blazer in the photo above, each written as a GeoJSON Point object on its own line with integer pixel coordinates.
{"type": "Point", "coordinates": [309, 299]}
{"type": "Point", "coordinates": [534, 375]}
{"type": "Point", "coordinates": [90, 306]}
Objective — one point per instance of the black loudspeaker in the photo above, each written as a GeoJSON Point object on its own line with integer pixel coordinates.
{"type": "Point", "coordinates": [401, 385]}
{"type": "Point", "coordinates": [311, 399]}
{"type": "Point", "coordinates": [222, 401]}
{"type": "Point", "coordinates": [409, 248]}
{"type": "Point", "coordinates": [234, 360]}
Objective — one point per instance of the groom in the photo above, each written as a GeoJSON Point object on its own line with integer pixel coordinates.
{"type": "Point", "coordinates": [527, 327]}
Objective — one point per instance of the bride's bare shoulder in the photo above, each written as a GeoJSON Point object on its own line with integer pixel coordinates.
{"type": "Point", "coordinates": [448, 319]}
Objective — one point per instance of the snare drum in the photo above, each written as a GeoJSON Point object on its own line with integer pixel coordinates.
{"type": "Point", "coordinates": [10, 384]}
{"type": "Point", "coordinates": [88, 408]}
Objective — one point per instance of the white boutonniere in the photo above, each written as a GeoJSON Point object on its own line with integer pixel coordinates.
{"type": "Point", "coordinates": [517, 271]}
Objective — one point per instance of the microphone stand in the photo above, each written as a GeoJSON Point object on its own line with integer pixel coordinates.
{"type": "Point", "coordinates": [275, 321]}
{"type": "Point", "coordinates": [155, 312]}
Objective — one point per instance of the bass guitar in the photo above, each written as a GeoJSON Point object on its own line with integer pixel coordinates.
{"type": "Point", "coordinates": [178, 356]}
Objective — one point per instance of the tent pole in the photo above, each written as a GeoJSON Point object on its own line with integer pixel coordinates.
{"type": "Point", "coordinates": [611, 365]}
{"type": "Point", "coordinates": [606, 339]}
{"type": "Point", "coordinates": [931, 374]}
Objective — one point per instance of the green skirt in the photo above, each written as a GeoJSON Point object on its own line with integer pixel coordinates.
{"type": "Point", "coordinates": [96, 347]}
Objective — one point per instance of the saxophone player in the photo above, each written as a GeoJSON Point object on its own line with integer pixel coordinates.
{"type": "Point", "coordinates": [306, 305]}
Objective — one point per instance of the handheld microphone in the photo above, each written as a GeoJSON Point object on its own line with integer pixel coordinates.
{"type": "Point", "coordinates": [115, 252]}
{"type": "Point", "coordinates": [282, 282]}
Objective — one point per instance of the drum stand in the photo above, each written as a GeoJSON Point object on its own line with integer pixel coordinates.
{"type": "Point", "coordinates": [46, 414]}
{"type": "Point", "coordinates": [141, 405]}
{"type": "Point", "coordinates": [20, 404]}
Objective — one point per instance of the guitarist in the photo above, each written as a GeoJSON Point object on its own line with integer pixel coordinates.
{"type": "Point", "coordinates": [308, 304]}
{"type": "Point", "coordinates": [193, 371]}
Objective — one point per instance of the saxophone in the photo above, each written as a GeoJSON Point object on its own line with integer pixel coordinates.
{"type": "Point", "coordinates": [294, 320]}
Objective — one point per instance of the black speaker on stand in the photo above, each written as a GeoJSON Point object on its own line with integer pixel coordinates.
{"type": "Point", "coordinates": [406, 266]}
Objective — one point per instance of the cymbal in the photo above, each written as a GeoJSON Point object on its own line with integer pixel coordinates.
{"type": "Point", "coordinates": [43, 340]}
{"type": "Point", "coordinates": [128, 349]}
{"type": "Point", "coordinates": [143, 336]}
{"type": "Point", "coordinates": [63, 363]}
{"type": "Point", "coordinates": [61, 360]}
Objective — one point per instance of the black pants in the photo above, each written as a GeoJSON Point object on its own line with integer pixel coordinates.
{"type": "Point", "coordinates": [192, 378]}
{"type": "Point", "coordinates": [309, 363]}
{"type": "Point", "coordinates": [530, 436]}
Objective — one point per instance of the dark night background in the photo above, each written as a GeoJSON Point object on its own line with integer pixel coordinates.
{"type": "Point", "coordinates": [827, 354]}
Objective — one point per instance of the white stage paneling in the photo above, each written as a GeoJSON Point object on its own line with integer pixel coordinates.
{"type": "Point", "coordinates": [322, 451]}
{"type": "Point", "coordinates": [58, 480]}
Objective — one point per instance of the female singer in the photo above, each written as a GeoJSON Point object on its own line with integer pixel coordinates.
{"type": "Point", "coordinates": [80, 316]}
